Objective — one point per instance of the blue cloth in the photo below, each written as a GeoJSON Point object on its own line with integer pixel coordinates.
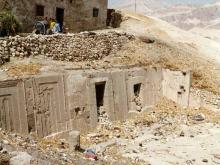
{"type": "Point", "coordinates": [56, 28]}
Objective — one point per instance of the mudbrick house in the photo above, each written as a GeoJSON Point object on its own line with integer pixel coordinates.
{"type": "Point", "coordinates": [77, 15]}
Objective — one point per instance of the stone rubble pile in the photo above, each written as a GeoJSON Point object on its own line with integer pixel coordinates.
{"type": "Point", "coordinates": [165, 119]}
{"type": "Point", "coordinates": [137, 100]}
{"type": "Point", "coordinates": [206, 97]}
{"type": "Point", "coordinates": [85, 46]}
{"type": "Point", "coordinates": [103, 116]}
{"type": "Point", "coordinates": [4, 53]}
{"type": "Point", "coordinates": [165, 122]}
{"type": "Point", "coordinates": [25, 150]}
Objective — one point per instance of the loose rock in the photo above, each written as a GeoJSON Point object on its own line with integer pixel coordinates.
{"type": "Point", "coordinates": [20, 158]}
{"type": "Point", "coordinates": [199, 117]}
{"type": "Point", "coordinates": [72, 47]}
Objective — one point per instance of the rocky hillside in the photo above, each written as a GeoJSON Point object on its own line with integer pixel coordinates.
{"type": "Point", "coordinates": [142, 6]}
{"type": "Point", "coordinates": [183, 16]}
{"type": "Point", "coordinates": [204, 16]}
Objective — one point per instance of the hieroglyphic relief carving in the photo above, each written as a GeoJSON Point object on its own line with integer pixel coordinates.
{"type": "Point", "coordinates": [6, 121]}
{"type": "Point", "coordinates": [45, 104]}
{"type": "Point", "coordinates": [12, 109]}
{"type": "Point", "coordinates": [50, 114]}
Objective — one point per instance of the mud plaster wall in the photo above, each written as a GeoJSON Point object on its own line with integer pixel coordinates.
{"type": "Point", "coordinates": [78, 14]}
{"type": "Point", "coordinates": [57, 103]}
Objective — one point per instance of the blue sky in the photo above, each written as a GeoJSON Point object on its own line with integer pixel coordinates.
{"type": "Point", "coordinates": [199, 2]}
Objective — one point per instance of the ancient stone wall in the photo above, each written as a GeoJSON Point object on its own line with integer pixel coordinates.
{"type": "Point", "coordinates": [136, 90]}
{"type": "Point", "coordinates": [80, 99]}
{"type": "Point", "coordinates": [78, 14]}
{"type": "Point", "coordinates": [154, 88]}
{"type": "Point", "coordinates": [85, 46]}
{"type": "Point", "coordinates": [176, 86]}
{"type": "Point", "coordinates": [46, 104]}
{"type": "Point", "coordinates": [13, 116]}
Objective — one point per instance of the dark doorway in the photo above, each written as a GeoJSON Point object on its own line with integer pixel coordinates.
{"type": "Point", "coordinates": [60, 17]}
{"type": "Point", "coordinates": [100, 91]}
{"type": "Point", "coordinates": [137, 89]}
{"type": "Point", "coordinates": [40, 10]}
{"type": "Point", "coordinates": [109, 16]}
{"type": "Point", "coordinates": [95, 12]}
{"type": "Point", "coordinates": [114, 18]}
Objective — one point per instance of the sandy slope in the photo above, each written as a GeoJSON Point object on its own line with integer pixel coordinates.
{"type": "Point", "coordinates": [149, 26]}
{"type": "Point", "coordinates": [182, 15]}
{"type": "Point", "coordinates": [209, 33]}
{"type": "Point", "coordinates": [173, 49]}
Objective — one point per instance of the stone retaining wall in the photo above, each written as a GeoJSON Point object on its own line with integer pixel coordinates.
{"type": "Point", "coordinates": [87, 46]}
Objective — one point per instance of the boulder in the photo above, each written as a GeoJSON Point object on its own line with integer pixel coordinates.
{"type": "Point", "coordinates": [199, 117]}
{"type": "Point", "coordinates": [20, 158]}
{"type": "Point", "coordinates": [74, 140]}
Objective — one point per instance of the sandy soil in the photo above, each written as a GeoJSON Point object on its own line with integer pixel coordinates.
{"type": "Point", "coordinates": [198, 145]}
{"type": "Point", "coordinates": [166, 135]}
{"type": "Point", "coordinates": [213, 34]}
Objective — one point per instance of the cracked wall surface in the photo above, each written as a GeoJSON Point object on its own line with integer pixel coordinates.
{"type": "Point", "coordinates": [176, 86]}
{"type": "Point", "coordinates": [79, 99]}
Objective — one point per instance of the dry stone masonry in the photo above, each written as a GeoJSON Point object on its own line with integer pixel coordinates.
{"type": "Point", "coordinates": [86, 46]}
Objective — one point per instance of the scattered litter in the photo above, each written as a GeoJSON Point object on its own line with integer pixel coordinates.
{"type": "Point", "coordinates": [90, 154]}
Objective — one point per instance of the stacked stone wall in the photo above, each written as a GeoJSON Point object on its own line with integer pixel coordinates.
{"type": "Point", "coordinates": [87, 46]}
